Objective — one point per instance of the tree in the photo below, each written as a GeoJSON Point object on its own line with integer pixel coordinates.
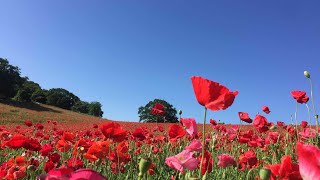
{"type": "Point", "coordinates": [39, 96]}
{"type": "Point", "coordinates": [81, 107]}
{"type": "Point", "coordinates": [10, 80]}
{"type": "Point", "coordinates": [62, 98]}
{"type": "Point", "coordinates": [145, 114]}
{"type": "Point", "coordinates": [24, 94]}
{"type": "Point", "coordinates": [95, 109]}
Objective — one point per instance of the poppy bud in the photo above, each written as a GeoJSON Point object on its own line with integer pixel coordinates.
{"type": "Point", "coordinates": [265, 174]}
{"type": "Point", "coordinates": [306, 74]}
{"type": "Point", "coordinates": [273, 128]}
{"type": "Point", "coordinates": [180, 112]}
{"type": "Point", "coordinates": [144, 165]}
{"type": "Point", "coordinates": [31, 168]}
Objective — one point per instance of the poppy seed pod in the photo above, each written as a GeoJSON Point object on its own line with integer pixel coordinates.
{"type": "Point", "coordinates": [144, 165]}
{"type": "Point", "coordinates": [306, 74]}
{"type": "Point", "coordinates": [265, 174]}
{"type": "Point", "coordinates": [180, 112]}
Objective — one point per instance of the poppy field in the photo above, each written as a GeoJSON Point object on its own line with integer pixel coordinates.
{"type": "Point", "coordinates": [97, 150]}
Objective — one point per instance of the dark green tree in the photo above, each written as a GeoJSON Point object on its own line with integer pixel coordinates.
{"type": "Point", "coordinates": [81, 107]}
{"type": "Point", "coordinates": [25, 92]}
{"type": "Point", "coordinates": [145, 114]}
{"type": "Point", "coordinates": [40, 96]}
{"type": "Point", "coordinates": [10, 79]}
{"type": "Point", "coordinates": [62, 98]}
{"type": "Point", "coordinates": [95, 109]}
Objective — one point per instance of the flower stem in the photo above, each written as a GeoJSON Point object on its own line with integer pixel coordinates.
{"type": "Point", "coordinates": [296, 118]}
{"type": "Point", "coordinates": [203, 139]}
{"type": "Point", "coordinates": [309, 116]}
{"type": "Point", "coordinates": [314, 109]}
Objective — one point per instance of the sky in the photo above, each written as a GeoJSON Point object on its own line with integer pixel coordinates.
{"type": "Point", "coordinates": [127, 53]}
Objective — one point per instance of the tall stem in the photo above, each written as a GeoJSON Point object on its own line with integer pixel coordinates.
{"type": "Point", "coordinates": [314, 109]}
{"type": "Point", "coordinates": [309, 116]}
{"type": "Point", "coordinates": [203, 139]}
{"type": "Point", "coordinates": [296, 118]}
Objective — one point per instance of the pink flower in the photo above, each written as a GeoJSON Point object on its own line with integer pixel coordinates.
{"type": "Point", "coordinates": [195, 145]}
{"type": "Point", "coordinates": [266, 109]}
{"type": "Point", "coordinates": [225, 160]}
{"type": "Point", "coordinates": [190, 125]}
{"type": "Point", "coordinates": [64, 173]}
{"type": "Point", "coordinates": [182, 160]}
{"type": "Point", "coordinates": [309, 160]}
{"type": "Point", "coordinates": [307, 133]}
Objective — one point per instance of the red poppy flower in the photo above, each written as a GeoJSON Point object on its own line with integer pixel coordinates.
{"type": "Point", "coordinates": [32, 144]}
{"type": "Point", "coordinates": [28, 123]}
{"type": "Point", "coordinates": [114, 131]}
{"type": "Point", "coordinates": [304, 124]}
{"type": "Point", "coordinates": [300, 96]}
{"type": "Point", "coordinates": [247, 160]}
{"type": "Point", "coordinates": [207, 163]}
{"type": "Point", "coordinates": [261, 123]}
{"type": "Point", "coordinates": [176, 131]}
{"type": "Point", "coordinates": [46, 149]}
{"type": "Point", "coordinates": [158, 109]}
{"type": "Point", "coordinates": [63, 146]}
{"type": "Point", "coordinates": [266, 109]}
{"type": "Point", "coordinates": [285, 170]}
{"type": "Point", "coordinates": [39, 126]}
{"type": "Point", "coordinates": [68, 136]}
{"type": "Point", "coordinates": [17, 141]}
{"type": "Point", "coordinates": [139, 134]}
{"type": "Point", "coordinates": [55, 157]}
{"type": "Point", "coordinates": [212, 95]}
{"type": "Point", "coordinates": [245, 117]}
{"type": "Point", "coordinates": [213, 122]}
{"type": "Point", "coordinates": [280, 123]}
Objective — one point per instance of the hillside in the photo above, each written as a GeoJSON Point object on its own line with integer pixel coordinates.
{"type": "Point", "coordinates": [16, 113]}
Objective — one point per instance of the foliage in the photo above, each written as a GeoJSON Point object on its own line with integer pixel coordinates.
{"type": "Point", "coordinates": [145, 114]}
{"type": "Point", "coordinates": [24, 94]}
{"type": "Point", "coordinates": [95, 109]}
{"type": "Point", "coordinates": [10, 80]}
{"type": "Point", "coordinates": [62, 98]}
{"type": "Point", "coordinates": [81, 107]}
{"type": "Point", "coordinates": [40, 96]}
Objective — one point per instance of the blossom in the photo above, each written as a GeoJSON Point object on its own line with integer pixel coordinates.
{"type": "Point", "coordinates": [175, 131]}
{"type": "Point", "coordinates": [244, 117]}
{"type": "Point", "coordinates": [195, 145]}
{"type": "Point", "coordinates": [225, 160]}
{"type": "Point", "coordinates": [261, 123]}
{"type": "Point", "coordinates": [285, 170]}
{"type": "Point", "coordinates": [190, 125]}
{"type": "Point", "coordinates": [158, 109]}
{"type": "Point", "coordinates": [207, 163]}
{"type": "Point", "coordinates": [114, 131]}
{"type": "Point", "coordinates": [183, 160]}
{"type": "Point", "coordinates": [266, 109]}
{"type": "Point", "coordinates": [309, 160]}
{"type": "Point", "coordinates": [304, 124]}
{"type": "Point", "coordinates": [247, 160]}
{"type": "Point", "coordinates": [212, 95]}
{"type": "Point", "coordinates": [300, 96]}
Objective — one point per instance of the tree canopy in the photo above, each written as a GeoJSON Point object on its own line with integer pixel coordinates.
{"type": "Point", "coordinates": [145, 112]}
{"type": "Point", "coordinates": [10, 80]}
{"type": "Point", "coordinates": [15, 87]}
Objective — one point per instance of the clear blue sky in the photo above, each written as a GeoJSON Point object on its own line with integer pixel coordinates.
{"type": "Point", "coordinates": [126, 53]}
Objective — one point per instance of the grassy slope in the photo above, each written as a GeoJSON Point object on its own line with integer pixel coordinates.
{"type": "Point", "coordinates": [17, 113]}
